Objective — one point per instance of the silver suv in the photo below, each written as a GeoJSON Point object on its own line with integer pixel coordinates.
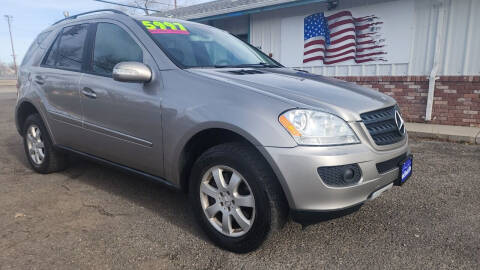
{"type": "Point", "coordinates": [193, 107]}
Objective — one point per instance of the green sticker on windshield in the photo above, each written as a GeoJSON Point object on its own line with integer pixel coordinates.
{"type": "Point", "coordinates": [158, 27]}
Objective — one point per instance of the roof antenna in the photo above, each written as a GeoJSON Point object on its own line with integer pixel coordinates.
{"type": "Point", "coordinates": [66, 14]}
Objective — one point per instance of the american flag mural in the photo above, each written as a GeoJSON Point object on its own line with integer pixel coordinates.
{"type": "Point", "coordinates": [341, 37]}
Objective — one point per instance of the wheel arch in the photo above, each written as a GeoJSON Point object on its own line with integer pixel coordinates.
{"type": "Point", "coordinates": [24, 109]}
{"type": "Point", "coordinates": [209, 137]}
{"type": "Point", "coordinates": [199, 143]}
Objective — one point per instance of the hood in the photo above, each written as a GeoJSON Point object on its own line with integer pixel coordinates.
{"type": "Point", "coordinates": [304, 90]}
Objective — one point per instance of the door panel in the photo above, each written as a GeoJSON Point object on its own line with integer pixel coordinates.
{"type": "Point", "coordinates": [58, 80]}
{"type": "Point", "coordinates": [122, 120]}
{"type": "Point", "coordinates": [123, 123]}
{"type": "Point", "coordinates": [61, 99]}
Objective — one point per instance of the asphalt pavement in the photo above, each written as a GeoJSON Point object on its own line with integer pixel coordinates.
{"type": "Point", "coordinates": [92, 217]}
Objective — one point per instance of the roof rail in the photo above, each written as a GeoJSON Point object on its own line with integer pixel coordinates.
{"type": "Point", "coordinates": [89, 12]}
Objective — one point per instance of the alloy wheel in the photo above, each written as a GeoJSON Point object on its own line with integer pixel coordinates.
{"type": "Point", "coordinates": [35, 144]}
{"type": "Point", "coordinates": [227, 201]}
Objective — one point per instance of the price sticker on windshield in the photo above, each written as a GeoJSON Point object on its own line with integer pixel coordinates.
{"type": "Point", "coordinates": [158, 27]}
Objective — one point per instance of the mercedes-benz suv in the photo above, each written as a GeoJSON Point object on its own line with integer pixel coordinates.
{"type": "Point", "coordinates": [191, 106]}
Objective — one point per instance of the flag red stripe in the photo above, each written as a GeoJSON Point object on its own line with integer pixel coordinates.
{"type": "Point", "coordinates": [339, 14]}
{"type": "Point", "coordinates": [366, 26]}
{"type": "Point", "coordinates": [313, 59]}
{"type": "Point", "coordinates": [314, 50]}
{"type": "Point", "coordinates": [348, 13]}
{"type": "Point", "coordinates": [364, 35]}
{"type": "Point", "coordinates": [367, 60]}
{"type": "Point", "coordinates": [352, 37]}
{"type": "Point", "coordinates": [365, 18]}
{"type": "Point", "coordinates": [369, 48]}
{"type": "Point", "coordinates": [339, 60]}
{"type": "Point", "coordinates": [334, 34]}
{"type": "Point", "coordinates": [340, 54]}
{"type": "Point", "coordinates": [370, 54]}
{"type": "Point", "coordinates": [314, 42]}
{"type": "Point", "coordinates": [339, 23]}
{"type": "Point", "coordinates": [349, 58]}
{"type": "Point", "coordinates": [366, 42]}
{"type": "Point", "coordinates": [342, 47]}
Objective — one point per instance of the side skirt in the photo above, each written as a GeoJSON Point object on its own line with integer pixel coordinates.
{"type": "Point", "coordinates": [114, 165]}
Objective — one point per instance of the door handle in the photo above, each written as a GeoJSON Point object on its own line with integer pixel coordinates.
{"type": "Point", "coordinates": [88, 92]}
{"type": "Point", "coordinates": [39, 79]}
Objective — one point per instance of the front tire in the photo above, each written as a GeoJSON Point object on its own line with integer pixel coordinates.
{"type": "Point", "coordinates": [41, 155]}
{"type": "Point", "coordinates": [235, 197]}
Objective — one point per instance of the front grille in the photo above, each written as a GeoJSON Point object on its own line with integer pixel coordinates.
{"type": "Point", "coordinates": [382, 126]}
{"type": "Point", "coordinates": [390, 164]}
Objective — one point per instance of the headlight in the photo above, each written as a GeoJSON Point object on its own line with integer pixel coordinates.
{"type": "Point", "coordinates": [309, 127]}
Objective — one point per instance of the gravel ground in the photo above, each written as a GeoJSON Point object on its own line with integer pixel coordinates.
{"type": "Point", "coordinates": [94, 217]}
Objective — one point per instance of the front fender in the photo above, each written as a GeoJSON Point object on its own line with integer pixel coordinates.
{"type": "Point", "coordinates": [187, 110]}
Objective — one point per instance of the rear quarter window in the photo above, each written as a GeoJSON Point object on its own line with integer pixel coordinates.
{"type": "Point", "coordinates": [38, 42]}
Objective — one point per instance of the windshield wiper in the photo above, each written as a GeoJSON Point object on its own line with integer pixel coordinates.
{"type": "Point", "coordinates": [261, 64]}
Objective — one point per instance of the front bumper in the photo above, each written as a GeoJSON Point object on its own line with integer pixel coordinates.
{"type": "Point", "coordinates": [296, 169]}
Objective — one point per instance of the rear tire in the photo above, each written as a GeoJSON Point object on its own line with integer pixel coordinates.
{"type": "Point", "coordinates": [264, 213]}
{"type": "Point", "coordinates": [41, 154]}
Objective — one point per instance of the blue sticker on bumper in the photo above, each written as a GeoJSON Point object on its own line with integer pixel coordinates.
{"type": "Point", "coordinates": [406, 170]}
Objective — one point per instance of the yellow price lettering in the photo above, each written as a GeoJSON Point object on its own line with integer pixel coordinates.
{"type": "Point", "coordinates": [159, 24]}
{"type": "Point", "coordinates": [153, 25]}
{"type": "Point", "coordinates": [180, 26]}
{"type": "Point", "coordinates": [170, 25]}
{"type": "Point", "coordinates": [149, 25]}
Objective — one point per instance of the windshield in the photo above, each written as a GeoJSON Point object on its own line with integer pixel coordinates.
{"type": "Point", "coordinates": [192, 45]}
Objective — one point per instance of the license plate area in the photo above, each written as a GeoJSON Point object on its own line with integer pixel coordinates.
{"type": "Point", "coordinates": [405, 170]}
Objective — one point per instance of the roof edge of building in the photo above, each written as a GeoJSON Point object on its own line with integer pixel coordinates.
{"type": "Point", "coordinates": [242, 10]}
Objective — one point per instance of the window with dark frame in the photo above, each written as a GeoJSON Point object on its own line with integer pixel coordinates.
{"type": "Point", "coordinates": [112, 46]}
{"type": "Point", "coordinates": [67, 50]}
{"type": "Point", "coordinates": [35, 44]}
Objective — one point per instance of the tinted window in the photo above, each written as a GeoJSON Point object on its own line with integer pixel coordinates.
{"type": "Point", "coordinates": [194, 45]}
{"type": "Point", "coordinates": [29, 53]}
{"type": "Point", "coordinates": [37, 42]}
{"type": "Point", "coordinates": [67, 50]}
{"type": "Point", "coordinates": [41, 37]}
{"type": "Point", "coordinates": [113, 45]}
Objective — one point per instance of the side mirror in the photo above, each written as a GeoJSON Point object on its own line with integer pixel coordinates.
{"type": "Point", "coordinates": [132, 72]}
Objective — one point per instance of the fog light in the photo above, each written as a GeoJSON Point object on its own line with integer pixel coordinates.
{"type": "Point", "coordinates": [340, 176]}
{"type": "Point", "coordinates": [348, 175]}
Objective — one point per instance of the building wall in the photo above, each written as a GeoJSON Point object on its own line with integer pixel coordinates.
{"type": "Point", "coordinates": [456, 101]}
{"type": "Point", "coordinates": [457, 90]}
{"type": "Point", "coordinates": [236, 25]}
{"type": "Point", "coordinates": [458, 49]}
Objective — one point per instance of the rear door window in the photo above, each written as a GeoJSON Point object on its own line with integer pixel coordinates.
{"type": "Point", "coordinates": [67, 50]}
{"type": "Point", "coordinates": [112, 46]}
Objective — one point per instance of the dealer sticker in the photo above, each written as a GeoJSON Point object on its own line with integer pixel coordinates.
{"type": "Point", "coordinates": [158, 27]}
{"type": "Point", "coordinates": [406, 170]}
